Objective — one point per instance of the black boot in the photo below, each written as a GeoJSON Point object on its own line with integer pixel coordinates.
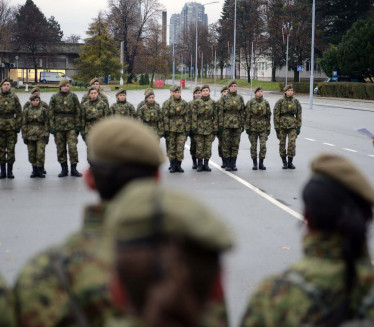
{"type": "Point", "coordinates": [199, 165]}
{"type": "Point", "coordinates": [179, 167]}
{"type": "Point", "coordinates": [290, 164]}
{"type": "Point", "coordinates": [40, 172]}
{"type": "Point", "coordinates": [285, 165]}
{"type": "Point", "coordinates": [254, 164]}
{"type": "Point", "coordinates": [34, 172]}
{"type": "Point", "coordinates": [233, 164]}
{"type": "Point", "coordinates": [44, 171]}
{"type": "Point", "coordinates": [64, 170]}
{"type": "Point", "coordinates": [173, 166]}
{"type": "Point", "coordinates": [206, 165]}
{"type": "Point", "coordinates": [170, 164]}
{"type": "Point", "coordinates": [74, 172]}
{"type": "Point", "coordinates": [228, 164]}
{"type": "Point", "coordinates": [261, 164]}
{"type": "Point", "coordinates": [3, 171]}
{"type": "Point", "coordinates": [194, 163]}
{"type": "Point", "coordinates": [223, 163]}
{"type": "Point", "coordinates": [10, 171]}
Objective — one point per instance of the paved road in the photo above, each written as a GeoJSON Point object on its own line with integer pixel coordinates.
{"type": "Point", "coordinates": [36, 213]}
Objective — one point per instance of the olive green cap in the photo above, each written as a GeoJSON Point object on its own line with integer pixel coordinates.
{"type": "Point", "coordinates": [147, 90]}
{"type": "Point", "coordinates": [145, 210]}
{"type": "Point", "coordinates": [120, 91]}
{"type": "Point", "coordinates": [196, 89]}
{"type": "Point", "coordinates": [34, 90]}
{"type": "Point", "coordinates": [63, 82]}
{"type": "Point", "coordinates": [344, 172]}
{"type": "Point", "coordinates": [287, 87]}
{"type": "Point", "coordinates": [206, 86]}
{"type": "Point", "coordinates": [148, 93]}
{"type": "Point", "coordinates": [92, 88]}
{"type": "Point", "coordinates": [231, 83]}
{"type": "Point", "coordinates": [6, 79]}
{"type": "Point", "coordinates": [175, 88]}
{"type": "Point", "coordinates": [34, 96]}
{"type": "Point", "coordinates": [224, 89]}
{"type": "Point", "coordinates": [258, 88]}
{"type": "Point", "coordinates": [94, 80]}
{"type": "Point", "coordinates": [120, 140]}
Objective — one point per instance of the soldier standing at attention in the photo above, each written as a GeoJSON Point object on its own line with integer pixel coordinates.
{"type": "Point", "coordinates": [232, 112]}
{"type": "Point", "coordinates": [150, 114]}
{"type": "Point", "coordinates": [36, 91]}
{"type": "Point", "coordinates": [10, 126]}
{"type": "Point", "coordinates": [166, 105]}
{"type": "Point", "coordinates": [141, 103]}
{"type": "Point", "coordinates": [196, 96]}
{"type": "Point", "coordinates": [257, 126]}
{"type": "Point", "coordinates": [122, 107]}
{"type": "Point", "coordinates": [65, 125]}
{"type": "Point", "coordinates": [287, 123]}
{"type": "Point", "coordinates": [177, 128]}
{"type": "Point", "coordinates": [224, 91]}
{"type": "Point", "coordinates": [334, 282]}
{"type": "Point", "coordinates": [96, 83]}
{"type": "Point", "coordinates": [35, 133]}
{"type": "Point", "coordinates": [204, 127]}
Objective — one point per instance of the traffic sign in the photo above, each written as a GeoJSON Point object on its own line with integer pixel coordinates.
{"type": "Point", "coordinates": [229, 69]}
{"type": "Point", "coordinates": [299, 68]}
{"type": "Point", "coordinates": [334, 73]}
{"type": "Point", "coordinates": [334, 79]}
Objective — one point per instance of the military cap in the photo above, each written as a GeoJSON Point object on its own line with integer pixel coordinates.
{"type": "Point", "coordinates": [120, 140]}
{"type": "Point", "coordinates": [120, 91]}
{"type": "Point", "coordinates": [63, 82]}
{"type": "Point", "coordinates": [149, 89]}
{"type": "Point", "coordinates": [34, 90]}
{"type": "Point", "coordinates": [206, 86]}
{"type": "Point", "coordinates": [345, 173]}
{"type": "Point", "coordinates": [148, 93]}
{"type": "Point", "coordinates": [131, 218]}
{"type": "Point", "coordinates": [34, 96]}
{"type": "Point", "coordinates": [175, 88]}
{"type": "Point", "coordinates": [231, 83]}
{"type": "Point", "coordinates": [196, 89]}
{"type": "Point", "coordinates": [287, 87]}
{"type": "Point", "coordinates": [6, 79]}
{"type": "Point", "coordinates": [94, 80]}
{"type": "Point", "coordinates": [258, 88]}
{"type": "Point", "coordinates": [224, 89]}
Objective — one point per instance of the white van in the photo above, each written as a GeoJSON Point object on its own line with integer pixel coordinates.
{"type": "Point", "coordinates": [50, 77]}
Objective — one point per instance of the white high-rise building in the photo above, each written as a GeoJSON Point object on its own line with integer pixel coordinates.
{"type": "Point", "coordinates": [174, 29]}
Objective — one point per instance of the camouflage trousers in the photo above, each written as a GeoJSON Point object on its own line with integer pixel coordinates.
{"type": "Point", "coordinates": [263, 136]}
{"type": "Point", "coordinates": [36, 151]}
{"type": "Point", "coordinates": [204, 146]}
{"type": "Point", "coordinates": [291, 149]}
{"type": "Point", "coordinates": [193, 146]}
{"type": "Point", "coordinates": [176, 142]}
{"type": "Point", "coordinates": [63, 139]}
{"type": "Point", "coordinates": [220, 142]}
{"type": "Point", "coordinates": [231, 141]}
{"type": "Point", "coordinates": [8, 140]}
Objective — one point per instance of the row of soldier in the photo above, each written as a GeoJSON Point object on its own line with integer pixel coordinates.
{"type": "Point", "coordinates": [202, 119]}
{"type": "Point", "coordinates": [150, 256]}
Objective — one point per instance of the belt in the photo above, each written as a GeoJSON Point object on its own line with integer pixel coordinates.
{"type": "Point", "coordinates": [7, 115]}
{"type": "Point", "coordinates": [202, 118]}
{"type": "Point", "coordinates": [35, 123]}
{"type": "Point", "coordinates": [65, 114]}
{"type": "Point", "coordinates": [231, 112]}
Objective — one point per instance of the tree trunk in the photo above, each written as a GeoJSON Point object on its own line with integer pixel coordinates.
{"type": "Point", "coordinates": [153, 75]}
{"type": "Point", "coordinates": [221, 72]}
{"type": "Point", "coordinates": [295, 75]}
{"type": "Point", "coordinates": [36, 73]}
{"type": "Point", "coordinates": [249, 74]}
{"type": "Point", "coordinates": [273, 72]}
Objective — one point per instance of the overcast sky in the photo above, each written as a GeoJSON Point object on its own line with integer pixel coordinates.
{"type": "Point", "coordinates": [74, 16]}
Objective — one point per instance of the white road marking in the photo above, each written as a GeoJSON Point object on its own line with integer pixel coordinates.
{"type": "Point", "coordinates": [350, 150]}
{"type": "Point", "coordinates": [329, 144]}
{"type": "Point", "coordinates": [312, 140]}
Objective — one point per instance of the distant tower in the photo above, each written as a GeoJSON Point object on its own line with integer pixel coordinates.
{"type": "Point", "coordinates": [164, 24]}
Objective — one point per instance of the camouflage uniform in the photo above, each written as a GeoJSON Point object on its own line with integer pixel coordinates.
{"type": "Point", "coordinates": [7, 317]}
{"type": "Point", "coordinates": [35, 131]}
{"type": "Point", "coordinates": [65, 124]}
{"type": "Point", "coordinates": [257, 124]}
{"type": "Point", "coordinates": [101, 97]}
{"type": "Point", "coordinates": [123, 108]}
{"type": "Point", "coordinates": [92, 112]}
{"type": "Point", "coordinates": [311, 288]}
{"type": "Point", "coordinates": [151, 115]}
{"type": "Point", "coordinates": [43, 103]}
{"type": "Point", "coordinates": [41, 297]}
{"type": "Point", "coordinates": [10, 125]}
{"type": "Point", "coordinates": [219, 135]}
{"type": "Point", "coordinates": [287, 122]}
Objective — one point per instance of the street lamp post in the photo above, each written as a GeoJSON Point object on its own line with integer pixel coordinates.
{"type": "Point", "coordinates": [288, 36]}
{"type": "Point", "coordinates": [17, 71]}
{"type": "Point", "coordinates": [234, 50]}
{"type": "Point", "coordinates": [121, 79]}
{"type": "Point", "coordinates": [312, 58]}
{"type": "Point", "coordinates": [215, 72]}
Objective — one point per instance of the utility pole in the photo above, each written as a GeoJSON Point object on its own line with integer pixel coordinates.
{"type": "Point", "coordinates": [121, 79]}
{"type": "Point", "coordinates": [288, 36]}
{"type": "Point", "coordinates": [312, 57]}
{"type": "Point", "coordinates": [234, 52]}
{"type": "Point", "coordinates": [215, 72]}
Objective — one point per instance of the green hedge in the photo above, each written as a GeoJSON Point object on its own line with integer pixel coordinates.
{"type": "Point", "coordinates": [347, 90]}
{"type": "Point", "coordinates": [298, 87]}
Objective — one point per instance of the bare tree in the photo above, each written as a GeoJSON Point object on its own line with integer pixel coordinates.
{"type": "Point", "coordinates": [73, 38]}
{"type": "Point", "coordinates": [6, 19]}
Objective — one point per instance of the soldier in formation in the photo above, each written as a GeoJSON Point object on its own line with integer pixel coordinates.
{"type": "Point", "coordinates": [10, 126]}
{"type": "Point", "coordinates": [122, 107]}
{"type": "Point", "coordinates": [177, 128]}
{"type": "Point", "coordinates": [287, 124]}
{"type": "Point", "coordinates": [65, 125]}
{"type": "Point", "coordinates": [224, 91]}
{"type": "Point", "coordinates": [204, 127]}
{"type": "Point", "coordinates": [150, 114]}
{"type": "Point", "coordinates": [141, 103]}
{"type": "Point", "coordinates": [35, 134]}
{"type": "Point", "coordinates": [196, 96]}
{"type": "Point", "coordinates": [95, 83]}
{"type": "Point", "coordinates": [36, 91]}
{"type": "Point", "coordinates": [257, 126]}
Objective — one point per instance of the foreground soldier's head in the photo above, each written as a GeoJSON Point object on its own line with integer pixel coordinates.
{"type": "Point", "coordinates": [288, 90]}
{"type": "Point", "coordinates": [5, 85]}
{"type": "Point", "coordinates": [176, 92]}
{"type": "Point", "coordinates": [121, 150]}
{"type": "Point", "coordinates": [197, 92]}
{"type": "Point", "coordinates": [121, 95]}
{"type": "Point", "coordinates": [93, 93]}
{"type": "Point", "coordinates": [150, 96]}
{"type": "Point", "coordinates": [259, 92]}
{"type": "Point", "coordinates": [64, 86]}
{"type": "Point", "coordinates": [224, 90]}
{"type": "Point", "coordinates": [233, 86]}
{"type": "Point", "coordinates": [166, 261]}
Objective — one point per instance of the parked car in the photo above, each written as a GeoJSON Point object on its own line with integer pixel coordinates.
{"type": "Point", "coordinates": [50, 77]}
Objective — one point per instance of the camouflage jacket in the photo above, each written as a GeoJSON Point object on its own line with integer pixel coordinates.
{"type": "Point", "coordinates": [204, 116]}
{"type": "Point", "coordinates": [311, 288]}
{"type": "Point", "coordinates": [44, 105]}
{"type": "Point", "coordinates": [7, 316]}
{"type": "Point", "coordinates": [176, 116]}
{"type": "Point", "coordinates": [151, 115]}
{"type": "Point", "coordinates": [190, 109]}
{"type": "Point", "coordinates": [92, 112]}
{"type": "Point", "coordinates": [101, 97]}
{"type": "Point", "coordinates": [232, 111]}
{"type": "Point", "coordinates": [140, 104]}
{"type": "Point", "coordinates": [10, 112]}
{"type": "Point", "coordinates": [287, 113]}
{"type": "Point", "coordinates": [35, 123]}
{"type": "Point", "coordinates": [258, 114]}
{"type": "Point", "coordinates": [41, 298]}
{"type": "Point", "coordinates": [64, 112]}
{"type": "Point", "coordinates": [123, 108]}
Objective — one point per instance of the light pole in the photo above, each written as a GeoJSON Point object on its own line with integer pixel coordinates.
{"type": "Point", "coordinates": [234, 50]}
{"type": "Point", "coordinates": [312, 58]}
{"type": "Point", "coordinates": [173, 60]}
{"type": "Point", "coordinates": [215, 72]}
{"type": "Point", "coordinates": [288, 36]}
{"type": "Point", "coordinates": [17, 71]}
{"type": "Point", "coordinates": [121, 79]}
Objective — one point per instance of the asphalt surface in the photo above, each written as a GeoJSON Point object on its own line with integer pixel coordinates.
{"type": "Point", "coordinates": [262, 208]}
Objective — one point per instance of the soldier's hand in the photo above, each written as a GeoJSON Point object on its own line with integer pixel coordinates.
{"type": "Point", "coordinates": [167, 134]}
{"type": "Point", "coordinates": [277, 131]}
{"type": "Point", "coordinates": [215, 132]}
{"type": "Point", "coordinates": [248, 131]}
{"type": "Point", "coordinates": [77, 130]}
{"type": "Point", "coordinates": [52, 131]}
{"type": "Point", "coordinates": [220, 130]}
{"type": "Point", "coordinates": [18, 130]}
{"type": "Point", "coordinates": [84, 136]}
{"type": "Point", "coordinates": [298, 130]}
{"type": "Point", "coordinates": [268, 132]}
{"type": "Point", "coordinates": [187, 133]}
{"type": "Point", "coordinates": [194, 131]}
{"type": "Point", "coordinates": [25, 141]}
{"type": "Point", "coordinates": [46, 139]}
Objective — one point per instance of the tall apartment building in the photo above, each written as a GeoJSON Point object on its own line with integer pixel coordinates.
{"type": "Point", "coordinates": [174, 29]}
